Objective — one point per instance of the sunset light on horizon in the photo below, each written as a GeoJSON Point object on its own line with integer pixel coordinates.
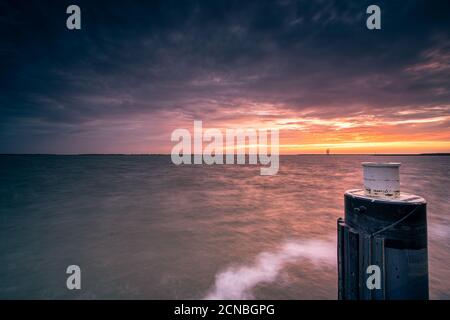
{"type": "Point", "coordinates": [407, 131]}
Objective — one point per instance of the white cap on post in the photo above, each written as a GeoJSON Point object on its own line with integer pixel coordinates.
{"type": "Point", "coordinates": [381, 180]}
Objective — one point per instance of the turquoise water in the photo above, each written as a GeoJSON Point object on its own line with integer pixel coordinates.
{"type": "Point", "coordinates": [141, 227]}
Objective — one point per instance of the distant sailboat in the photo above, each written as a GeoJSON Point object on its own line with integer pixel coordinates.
{"type": "Point", "coordinates": [328, 151]}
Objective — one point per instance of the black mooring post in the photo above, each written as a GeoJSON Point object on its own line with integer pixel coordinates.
{"type": "Point", "coordinates": [388, 232]}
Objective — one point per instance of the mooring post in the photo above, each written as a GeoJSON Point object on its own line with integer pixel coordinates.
{"type": "Point", "coordinates": [384, 236]}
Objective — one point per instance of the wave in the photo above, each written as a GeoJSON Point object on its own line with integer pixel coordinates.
{"type": "Point", "coordinates": [237, 283]}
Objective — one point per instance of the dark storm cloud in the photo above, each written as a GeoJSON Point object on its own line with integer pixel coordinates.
{"type": "Point", "coordinates": [200, 58]}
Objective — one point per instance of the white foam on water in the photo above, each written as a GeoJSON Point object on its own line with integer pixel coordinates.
{"type": "Point", "coordinates": [238, 282]}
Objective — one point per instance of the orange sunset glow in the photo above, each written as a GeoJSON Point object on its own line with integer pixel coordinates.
{"type": "Point", "coordinates": [422, 130]}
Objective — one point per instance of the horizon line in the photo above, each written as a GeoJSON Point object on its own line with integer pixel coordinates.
{"type": "Point", "coordinates": [192, 154]}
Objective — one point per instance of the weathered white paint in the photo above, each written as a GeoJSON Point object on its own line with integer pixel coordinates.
{"type": "Point", "coordinates": [381, 179]}
{"type": "Point", "coordinates": [403, 198]}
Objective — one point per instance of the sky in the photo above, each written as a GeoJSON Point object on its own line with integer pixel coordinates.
{"type": "Point", "coordinates": [137, 70]}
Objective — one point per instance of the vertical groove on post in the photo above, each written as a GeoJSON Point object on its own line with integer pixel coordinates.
{"type": "Point", "coordinates": [340, 257]}
{"type": "Point", "coordinates": [351, 261]}
{"type": "Point", "coordinates": [379, 260]}
{"type": "Point", "coordinates": [364, 262]}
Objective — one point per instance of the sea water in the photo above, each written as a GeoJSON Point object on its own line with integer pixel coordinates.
{"type": "Point", "coordinates": [141, 227]}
